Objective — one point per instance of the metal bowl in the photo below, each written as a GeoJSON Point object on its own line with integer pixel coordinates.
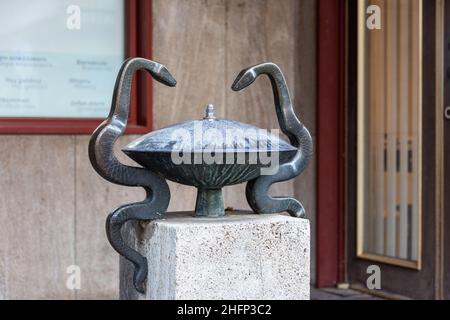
{"type": "Point", "coordinates": [210, 154]}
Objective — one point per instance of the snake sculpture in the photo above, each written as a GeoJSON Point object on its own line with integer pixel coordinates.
{"type": "Point", "coordinates": [257, 190]}
{"type": "Point", "coordinates": [157, 199]}
{"type": "Point", "coordinates": [106, 164]}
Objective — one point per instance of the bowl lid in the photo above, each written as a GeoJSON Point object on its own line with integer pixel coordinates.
{"type": "Point", "coordinates": [210, 134]}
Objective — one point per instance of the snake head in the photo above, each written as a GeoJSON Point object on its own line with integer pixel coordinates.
{"type": "Point", "coordinates": [163, 75]}
{"type": "Point", "coordinates": [245, 78]}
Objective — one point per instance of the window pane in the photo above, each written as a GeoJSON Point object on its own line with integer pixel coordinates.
{"type": "Point", "coordinates": [59, 58]}
{"type": "Point", "coordinates": [390, 105]}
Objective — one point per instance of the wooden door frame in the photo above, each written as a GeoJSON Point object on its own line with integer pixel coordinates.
{"type": "Point", "coordinates": [334, 203]}
{"type": "Point", "coordinates": [418, 284]}
{"type": "Point", "coordinates": [445, 77]}
{"type": "Point", "coordinates": [330, 143]}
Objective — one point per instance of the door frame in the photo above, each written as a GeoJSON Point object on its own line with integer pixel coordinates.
{"type": "Point", "coordinates": [443, 92]}
{"type": "Point", "coordinates": [330, 142]}
{"type": "Point", "coordinates": [423, 283]}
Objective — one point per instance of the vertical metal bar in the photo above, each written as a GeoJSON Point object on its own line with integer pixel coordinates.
{"type": "Point", "coordinates": [361, 167]}
{"type": "Point", "coordinates": [403, 125]}
{"type": "Point", "coordinates": [392, 101]}
{"type": "Point", "coordinates": [415, 119]}
{"type": "Point", "coordinates": [440, 244]}
{"type": "Point", "coordinates": [378, 76]}
{"type": "Point", "coordinates": [371, 96]}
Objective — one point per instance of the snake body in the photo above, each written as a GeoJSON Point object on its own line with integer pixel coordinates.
{"type": "Point", "coordinates": [157, 198]}
{"type": "Point", "coordinates": [101, 155]}
{"type": "Point", "coordinates": [257, 190]}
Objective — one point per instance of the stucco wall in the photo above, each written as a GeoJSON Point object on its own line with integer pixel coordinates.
{"type": "Point", "coordinates": [53, 205]}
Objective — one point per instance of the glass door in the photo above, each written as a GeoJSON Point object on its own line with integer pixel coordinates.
{"type": "Point", "coordinates": [389, 133]}
{"type": "Point", "coordinates": [391, 185]}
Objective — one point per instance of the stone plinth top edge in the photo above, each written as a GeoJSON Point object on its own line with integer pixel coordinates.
{"type": "Point", "coordinates": [231, 217]}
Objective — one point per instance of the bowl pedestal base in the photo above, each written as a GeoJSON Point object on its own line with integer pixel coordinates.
{"type": "Point", "coordinates": [209, 203]}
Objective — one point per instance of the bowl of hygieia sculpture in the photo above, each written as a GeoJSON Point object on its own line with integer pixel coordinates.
{"type": "Point", "coordinates": [207, 153]}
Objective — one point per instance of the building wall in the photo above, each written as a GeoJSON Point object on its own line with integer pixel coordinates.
{"type": "Point", "coordinates": [53, 205]}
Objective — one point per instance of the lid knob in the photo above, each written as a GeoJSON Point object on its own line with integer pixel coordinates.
{"type": "Point", "coordinates": [209, 113]}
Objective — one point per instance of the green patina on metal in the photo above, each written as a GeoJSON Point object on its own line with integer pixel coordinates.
{"type": "Point", "coordinates": [209, 203]}
{"type": "Point", "coordinates": [198, 153]}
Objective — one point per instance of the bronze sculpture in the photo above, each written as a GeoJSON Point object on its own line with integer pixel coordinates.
{"type": "Point", "coordinates": [155, 153]}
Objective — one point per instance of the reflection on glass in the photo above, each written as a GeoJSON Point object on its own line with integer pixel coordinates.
{"type": "Point", "coordinates": [391, 104]}
{"type": "Point", "coordinates": [59, 58]}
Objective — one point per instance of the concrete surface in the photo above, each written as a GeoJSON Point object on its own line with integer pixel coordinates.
{"type": "Point", "coordinates": [340, 294]}
{"type": "Point", "coordinates": [240, 256]}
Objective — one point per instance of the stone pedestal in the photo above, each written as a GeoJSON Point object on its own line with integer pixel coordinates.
{"type": "Point", "coordinates": [239, 256]}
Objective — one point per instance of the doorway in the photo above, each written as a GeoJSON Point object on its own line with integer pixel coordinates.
{"type": "Point", "coordinates": [395, 147]}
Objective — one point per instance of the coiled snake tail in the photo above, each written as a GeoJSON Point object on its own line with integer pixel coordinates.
{"type": "Point", "coordinates": [257, 190]}
{"type": "Point", "coordinates": [101, 155]}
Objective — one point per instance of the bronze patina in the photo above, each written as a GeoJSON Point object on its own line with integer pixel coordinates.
{"type": "Point", "coordinates": [198, 153]}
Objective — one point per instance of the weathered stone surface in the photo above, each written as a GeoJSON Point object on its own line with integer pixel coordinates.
{"type": "Point", "coordinates": [240, 256]}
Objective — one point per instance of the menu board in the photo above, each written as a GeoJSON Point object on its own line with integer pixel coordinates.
{"type": "Point", "coordinates": [58, 58]}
